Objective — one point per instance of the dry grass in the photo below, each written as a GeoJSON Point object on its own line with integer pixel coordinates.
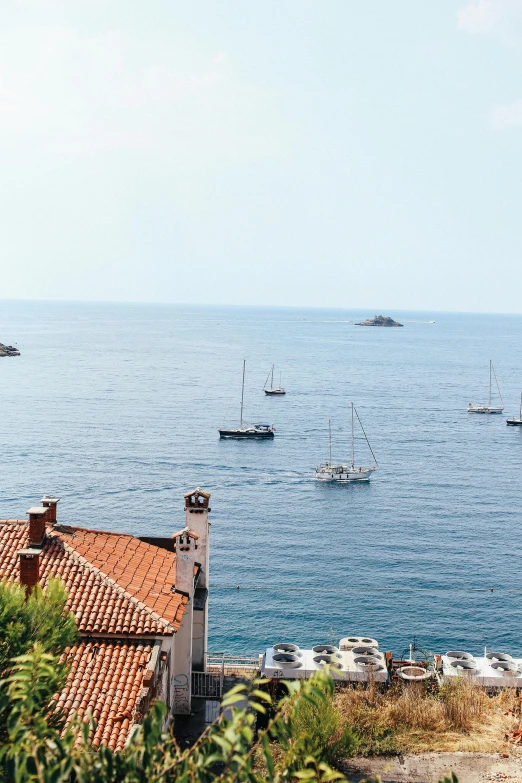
{"type": "Point", "coordinates": [457, 717]}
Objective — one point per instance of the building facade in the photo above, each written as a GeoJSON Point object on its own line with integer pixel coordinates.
{"type": "Point", "coordinates": [140, 605]}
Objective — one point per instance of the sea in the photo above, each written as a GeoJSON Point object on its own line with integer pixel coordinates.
{"type": "Point", "coordinates": [115, 408]}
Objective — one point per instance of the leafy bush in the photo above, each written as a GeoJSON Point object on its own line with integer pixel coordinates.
{"type": "Point", "coordinates": [37, 752]}
{"type": "Point", "coordinates": [38, 622]}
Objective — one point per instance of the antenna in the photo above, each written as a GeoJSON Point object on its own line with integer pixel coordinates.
{"type": "Point", "coordinates": [242, 393]}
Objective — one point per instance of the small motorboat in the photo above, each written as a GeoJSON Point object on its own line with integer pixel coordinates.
{"type": "Point", "coordinates": [516, 422]}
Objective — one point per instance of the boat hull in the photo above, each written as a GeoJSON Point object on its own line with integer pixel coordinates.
{"type": "Point", "coordinates": [346, 477]}
{"type": "Point", "coordinates": [484, 409]}
{"type": "Point", "coordinates": [514, 422]}
{"type": "Point", "coordinates": [246, 434]}
{"type": "Point", "coordinates": [274, 392]}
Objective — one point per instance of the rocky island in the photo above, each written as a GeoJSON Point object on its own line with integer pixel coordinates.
{"type": "Point", "coordinates": [380, 320]}
{"type": "Point", "coordinates": [8, 350]}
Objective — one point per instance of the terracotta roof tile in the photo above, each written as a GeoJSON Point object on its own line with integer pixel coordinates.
{"type": "Point", "coordinates": [117, 584]}
{"type": "Point", "coordinates": [105, 681]}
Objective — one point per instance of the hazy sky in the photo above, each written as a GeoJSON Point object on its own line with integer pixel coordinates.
{"type": "Point", "coordinates": [286, 152]}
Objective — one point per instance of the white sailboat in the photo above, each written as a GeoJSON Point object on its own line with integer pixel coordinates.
{"type": "Point", "coordinates": [516, 422]}
{"type": "Point", "coordinates": [273, 390]}
{"type": "Point", "coordinates": [489, 408]}
{"type": "Point", "coordinates": [346, 473]}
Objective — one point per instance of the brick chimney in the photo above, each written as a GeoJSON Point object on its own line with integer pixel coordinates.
{"type": "Point", "coordinates": [196, 518]}
{"type": "Point", "coordinates": [37, 519]}
{"type": "Point", "coordinates": [29, 568]}
{"type": "Point", "coordinates": [50, 504]}
{"type": "Point", "coordinates": [185, 546]}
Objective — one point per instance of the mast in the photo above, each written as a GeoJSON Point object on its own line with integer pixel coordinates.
{"type": "Point", "coordinates": [330, 439]}
{"type": "Point", "coordinates": [272, 384]}
{"type": "Point", "coordinates": [242, 393]}
{"type": "Point", "coordinates": [498, 387]}
{"type": "Point", "coordinates": [353, 442]}
{"type": "Point", "coordinates": [520, 415]}
{"type": "Point", "coordinates": [280, 376]}
{"type": "Point", "coordinates": [489, 398]}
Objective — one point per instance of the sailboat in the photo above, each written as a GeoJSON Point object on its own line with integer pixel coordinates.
{"type": "Point", "coordinates": [345, 473]}
{"type": "Point", "coordinates": [252, 431]}
{"type": "Point", "coordinates": [516, 422]}
{"type": "Point", "coordinates": [273, 390]}
{"type": "Point", "coordinates": [489, 408]}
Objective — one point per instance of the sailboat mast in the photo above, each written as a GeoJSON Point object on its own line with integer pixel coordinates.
{"type": "Point", "coordinates": [520, 415]}
{"type": "Point", "coordinates": [280, 377]}
{"type": "Point", "coordinates": [330, 438]}
{"type": "Point", "coordinates": [353, 442]}
{"type": "Point", "coordinates": [242, 393]}
{"type": "Point", "coordinates": [489, 398]}
{"type": "Point", "coordinates": [272, 384]}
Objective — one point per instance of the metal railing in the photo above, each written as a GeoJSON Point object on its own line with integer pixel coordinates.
{"type": "Point", "coordinates": [207, 686]}
{"type": "Point", "coordinates": [230, 665]}
{"type": "Point", "coordinates": [209, 683]}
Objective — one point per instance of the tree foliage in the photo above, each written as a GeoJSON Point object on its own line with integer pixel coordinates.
{"type": "Point", "coordinates": [228, 751]}
{"type": "Point", "coordinates": [27, 623]}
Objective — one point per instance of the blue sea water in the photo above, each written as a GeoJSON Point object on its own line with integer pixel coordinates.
{"type": "Point", "coordinates": [115, 407]}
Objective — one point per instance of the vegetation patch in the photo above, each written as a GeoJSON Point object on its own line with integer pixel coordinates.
{"type": "Point", "coordinates": [459, 716]}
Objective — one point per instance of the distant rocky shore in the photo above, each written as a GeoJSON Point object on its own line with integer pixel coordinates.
{"type": "Point", "coordinates": [380, 320]}
{"type": "Point", "coordinates": [8, 350]}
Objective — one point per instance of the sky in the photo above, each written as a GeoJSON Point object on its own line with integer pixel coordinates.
{"type": "Point", "coordinates": [285, 152]}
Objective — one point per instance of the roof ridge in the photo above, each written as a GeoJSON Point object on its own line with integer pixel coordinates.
{"type": "Point", "coordinates": [112, 583]}
{"type": "Point", "coordinates": [66, 528]}
{"type": "Point", "coordinates": [13, 521]}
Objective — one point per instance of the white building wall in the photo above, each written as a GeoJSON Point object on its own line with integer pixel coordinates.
{"type": "Point", "coordinates": [182, 668]}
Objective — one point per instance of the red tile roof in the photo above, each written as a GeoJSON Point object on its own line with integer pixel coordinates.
{"type": "Point", "coordinates": [117, 584]}
{"type": "Point", "coordinates": [105, 681]}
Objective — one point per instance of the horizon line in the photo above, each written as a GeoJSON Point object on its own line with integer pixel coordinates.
{"type": "Point", "coordinates": [252, 306]}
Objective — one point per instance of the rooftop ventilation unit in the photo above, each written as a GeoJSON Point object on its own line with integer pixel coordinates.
{"type": "Point", "coordinates": [349, 642]}
{"type": "Point", "coordinates": [365, 650]}
{"type": "Point", "coordinates": [326, 649]}
{"type": "Point", "coordinates": [468, 668]}
{"type": "Point", "coordinates": [506, 668]}
{"type": "Point", "coordinates": [496, 656]}
{"type": "Point", "coordinates": [368, 663]}
{"type": "Point", "coordinates": [286, 648]}
{"type": "Point", "coordinates": [457, 655]}
{"type": "Point", "coordinates": [494, 670]}
{"type": "Point", "coordinates": [287, 661]}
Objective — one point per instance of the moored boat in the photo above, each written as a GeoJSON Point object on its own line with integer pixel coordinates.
{"type": "Point", "coordinates": [346, 473]}
{"type": "Point", "coordinates": [516, 422]}
{"type": "Point", "coordinates": [273, 391]}
{"type": "Point", "coordinates": [247, 431]}
{"type": "Point", "coordinates": [489, 408]}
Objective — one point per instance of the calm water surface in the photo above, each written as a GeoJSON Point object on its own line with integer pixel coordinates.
{"type": "Point", "coordinates": [115, 408]}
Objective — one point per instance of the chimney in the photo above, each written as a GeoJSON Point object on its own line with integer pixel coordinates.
{"type": "Point", "coordinates": [185, 546]}
{"type": "Point", "coordinates": [29, 568]}
{"type": "Point", "coordinates": [37, 518]}
{"type": "Point", "coordinates": [50, 504]}
{"type": "Point", "coordinates": [196, 518]}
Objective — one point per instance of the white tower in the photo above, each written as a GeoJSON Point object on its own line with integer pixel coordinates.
{"type": "Point", "coordinates": [196, 516]}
